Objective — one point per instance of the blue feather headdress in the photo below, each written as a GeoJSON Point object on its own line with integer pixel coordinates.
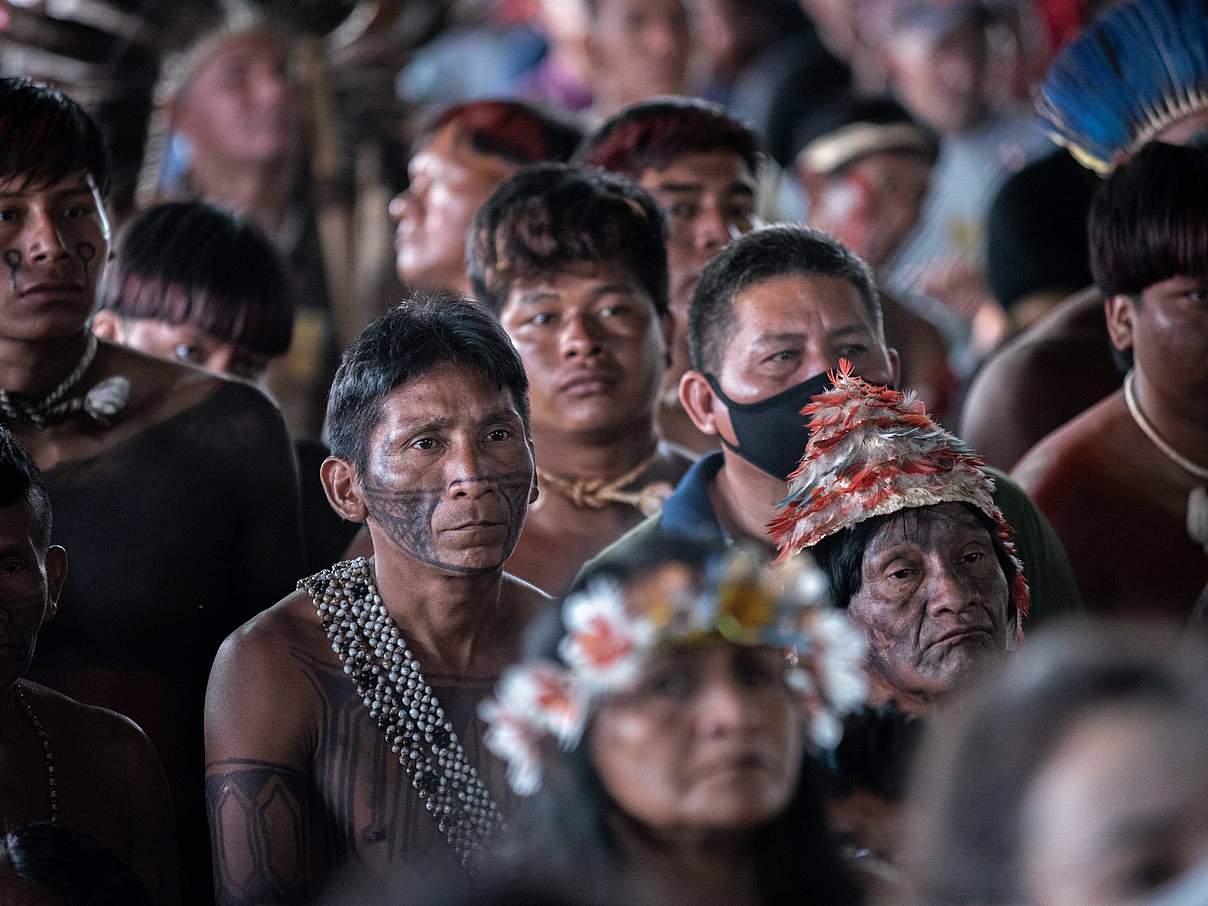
{"type": "Point", "coordinates": [1140, 68]}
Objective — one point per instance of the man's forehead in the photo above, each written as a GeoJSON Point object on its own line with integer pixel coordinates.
{"type": "Point", "coordinates": [450, 391]}
{"type": "Point", "coordinates": [80, 183]}
{"type": "Point", "coordinates": [716, 168]}
{"type": "Point", "coordinates": [929, 524]}
{"type": "Point", "coordinates": [580, 276]}
{"type": "Point", "coordinates": [799, 302]}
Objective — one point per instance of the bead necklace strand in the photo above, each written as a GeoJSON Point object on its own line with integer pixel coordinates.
{"type": "Point", "coordinates": [1134, 409]}
{"type": "Point", "coordinates": [374, 654]}
{"type": "Point", "coordinates": [48, 754]}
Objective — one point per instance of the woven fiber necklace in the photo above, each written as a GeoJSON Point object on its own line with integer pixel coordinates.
{"type": "Point", "coordinates": [374, 654]}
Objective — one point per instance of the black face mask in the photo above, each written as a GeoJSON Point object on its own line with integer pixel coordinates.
{"type": "Point", "coordinates": [772, 433]}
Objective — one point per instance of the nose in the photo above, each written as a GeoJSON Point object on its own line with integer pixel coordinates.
{"type": "Point", "coordinates": [399, 204]}
{"type": "Point", "coordinates": [723, 707]}
{"type": "Point", "coordinates": [711, 230]}
{"type": "Point", "coordinates": [463, 470]}
{"type": "Point", "coordinates": [949, 590]}
{"type": "Point", "coordinates": [578, 338]}
{"type": "Point", "coordinates": [663, 40]}
{"type": "Point", "coordinates": [45, 242]}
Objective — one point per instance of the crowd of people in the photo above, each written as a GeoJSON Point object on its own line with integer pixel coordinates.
{"type": "Point", "coordinates": [772, 467]}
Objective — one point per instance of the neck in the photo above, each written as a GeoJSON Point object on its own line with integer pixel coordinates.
{"type": "Point", "coordinates": [448, 620]}
{"type": "Point", "coordinates": [880, 694]}
{"type": "Point", "coordinates": [584, 456]}
{"type": "Point", "coordinates": [1180, 419]}
{"type": "Point", "coordinates": [261, 189]}
{"type": "Point", "coordinates": [745, 497]}
{"type": "Point", "coordinates": [35, 367]}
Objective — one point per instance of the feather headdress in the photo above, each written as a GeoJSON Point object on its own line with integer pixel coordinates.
{"type": "Point", "coordinates": [874, 451]}
{"type": "Point", "coordinates": [612, 630]}
{"type": "Point", "coordinates": [1127, 77]}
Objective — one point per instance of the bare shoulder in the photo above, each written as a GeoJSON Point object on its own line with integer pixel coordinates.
{"type": "Point", "coordinates": [262, 646]}
{"type": "Point", "coordinates": [524, 602]}
{"type": "Point", "coordinates": [1062, 465]}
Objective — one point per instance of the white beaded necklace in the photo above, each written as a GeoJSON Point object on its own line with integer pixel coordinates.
{"type": "Point", "coordinates": [374, 654]}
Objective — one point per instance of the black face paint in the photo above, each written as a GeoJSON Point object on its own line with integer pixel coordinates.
{"type": "Point", "coordinates": [86, 252]}
{"type": "Point", "coordinates": [13, 259]}
{"type": "Point", "coordinates": [772, 433]}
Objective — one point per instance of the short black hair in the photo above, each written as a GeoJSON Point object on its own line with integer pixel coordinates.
{"type": "Point", "coordinates": [759, 256]}
{"type": "Point", "coordinates": [514, 131]}
{"type": "Point", "coordinates": [188, 262]}
{"type": "Point", "coordinates": [649, 135]}
{"type": "Point", "coordinates": [1148, 221]}
{"type": "Point", "coordinates": [46, 137]}
{"type": "Point", "coordinates": [551, 216]}
{"type": "Point", "coordinates": [406, 343]}
{"type": "Point", "coordinates": [21, 482]}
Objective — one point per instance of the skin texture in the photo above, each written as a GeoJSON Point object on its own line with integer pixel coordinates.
{"type": "Point", "coordinates": [785, 330]}
{"type": "Point", "coordinates": [449, 181]}
{"type": "Point", "coordinates": [182, 343]}
{"type": "Point", "coordinates": [932, 603]}
{"type": "Point", "coordinates": [1120, 808]}
{"type": "Point", "coordinates": [298, 767]}
{"type": "Point", "coordinates": [638, 49]}
{"type": "Point", "coordinates": [941, 79]}
{"type": "Point", "coordinates": [592, 346]}
{"type": "Point", "coordinates": [709, 198]}
{"type": "Point", "coordinates": [110, 782]}
{"type": "Point", "coordinates": [1101, 471]}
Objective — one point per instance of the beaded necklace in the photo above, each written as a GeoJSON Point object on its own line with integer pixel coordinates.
{"type": "Point", "coordinates": [48, 754]}
{"type": "Point", "coordinates": [374, 654]}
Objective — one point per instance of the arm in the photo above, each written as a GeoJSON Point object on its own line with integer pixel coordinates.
{"type": "Point", "coordinates": [152, 825]}
{"type": "Point", "coordinates": [264, 813]}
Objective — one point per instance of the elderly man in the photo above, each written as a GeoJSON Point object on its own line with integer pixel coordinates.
{"type": "Point", "coordinates": [459, 160]}
{"type": "Point", "coordinates": [773, 314]}
{"type": "Point", "coordinates": [343, 745]}
{"type": "Point", "coordinates": [85, 768]}
{"type": "Point", "coordinates": [700, 164]}
{"type": "Point", "coordinates": [1126, 482]}
{"type": "Point", "coordinates": [571, 261]}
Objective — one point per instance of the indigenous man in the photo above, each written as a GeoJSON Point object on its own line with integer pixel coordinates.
{"type": "Point", "coordinates": [343, 747]}
{"type": "Point", "coordinates": [174, 490]}
{"type": "Point", "coordinates": [772, 314]}
{"type": "Point", "coordinates": [459, 160]}
{"type": "Point", "coordinates": [700, 164]}
{"type": "Point", "coordinates": [571, 260]}
{"type": "Point", "coordinates": [1126, 482]}
{"type": "Point", "coordinates": [637, 49]}
{"type": "Point", "coordinates": [1145, 60]}
{"type": "Point", "coordinates": [85, 768]}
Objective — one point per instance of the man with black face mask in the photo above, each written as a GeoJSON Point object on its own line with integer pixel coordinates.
{"type": "Point", "coordinates": [773, 313]}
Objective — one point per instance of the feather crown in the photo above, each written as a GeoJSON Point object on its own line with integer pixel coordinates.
{"type": "Point", "coordinates": [1126, 78]}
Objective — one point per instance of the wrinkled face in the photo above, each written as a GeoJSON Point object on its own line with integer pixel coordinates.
{"type": "Point", "coordinates": [641, 48]}
{"type": "Point", "coordinates": [871, 205]}
{"type": "Point", "coordinates": [242, 104]}
{"type": "Point", "coordinates": [942, 80]}
{"type": "Point", "coordinates": [708, 739]}
{"type": "Point", "coordinates": [26, 593]}
{"type": "Point", "coordinates": [185, 343]}
{"type": "Point", "coordinates": [449, 182]}
{"type": "Point", "coordinates": [788, 329]}
{"type": "Point", "coordinates": [933, 602]}
{"type": "Point", "coordinates": [1169, 335]}
{"type": "Point", "coordinates": [592, 348]}
{"type": "Point", "coordinates": [1119, 811]}
{"type": "Point", "coordinates": [709, 199]}
{"type": "Point", "coordinates": [53, 244]}
{"type": "Point", "coordinates": [450, 472]}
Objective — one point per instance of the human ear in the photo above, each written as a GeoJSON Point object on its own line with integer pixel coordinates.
{"type": "Point", "coordinates": [56, 575]}
{"type": "Point", "coordinates": [895, 367]}
{"type": "Point", "coordinates": [107, 325]}
{"type": "Point", "coordinates": [699, 401]}
{"type": "Point", "coordinates": [343, 489]}
{"type": "Point", "coordinates": [1120, 311]}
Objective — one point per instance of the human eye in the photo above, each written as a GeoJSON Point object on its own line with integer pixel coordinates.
{"type": "Point", "coordinates": [498, 435]}
{"type": "Point", "coordinates": [11, 566]}
{"type": "Point", "coordinates": [682, 210]}
{"type": "Point", "coordinates": [9, 214]}
{"type": "Point", "coordinates": [616, 309]}
{"type": "Point", "coordinates": [668, 682]}
{"type": "Point", "coordinates": [754, 670]}
{"type": "Point", "coordinates": [1198, 294]}
{"type": "Point", "coordinates": [74, 211]}
{"type": "Point", "coordinates": [424, 444]}
{"type": "Point", "coordinates": [542, 318]}
{"type": "Point", "coordinates": [187, 352]}
{"type": "Point", "coordinates": [851, 350]}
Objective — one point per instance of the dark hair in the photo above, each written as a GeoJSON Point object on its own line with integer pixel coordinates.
{"type": "Point", "coordinates": [759, 256]}
{"type": "Point", "coordinates": [21, 482]}
{"type": "Point", "coordinates": [563, 831]}
{"type": "Point", "coordinates": [46, 137]}
{"type": "Point", "coordinates": [406, 343]}
{"type": "Point", "coordinates": [851, 110]}
{"type": "Point", "coordinates": [187, 262]}
{"type": "Point", "coordinates": [515, 131]}
{"type": "Point", "coordinates": [841, 555]}
{"type": "Point", "coordinates": [651, 134]}
{"type": "Point", "coordinates": [975, 768]}
{"type": "Point", "coordinates": [1148, 221]}
{"type": "Point", "coordinates": [78, 870]}
{"type": "Point", "coordinates": [551, 216]}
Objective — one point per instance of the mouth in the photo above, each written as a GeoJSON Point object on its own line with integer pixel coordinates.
{"type": "Point", "coordinates": [962, 635]}
{"type": "Point", "coordinates": [478, 525]}
{"type": "Point", "coordinates": [589, 384]}
{"type": "Point", "coordinates": [737, 764]}
{"type": "Point", "coordinates": [54, 288]}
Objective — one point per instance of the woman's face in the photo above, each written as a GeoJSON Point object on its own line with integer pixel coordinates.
{"type": "Point", "coordinates": [709, 739]}
{"type": "Point", "coordinates": [1119, 811]}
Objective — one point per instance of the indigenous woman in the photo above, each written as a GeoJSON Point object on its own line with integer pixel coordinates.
{"type": "Point", "coordinates": [663, 732]}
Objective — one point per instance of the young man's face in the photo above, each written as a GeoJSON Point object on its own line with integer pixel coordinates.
{"type": "Point", "coordinates": [942, 78]}
{"type": "Point", "coordinates": [450, 472]}
{"type": "Point", "coordinates": [449, 183]}
{"type": "Point", "coordinates": [1168, 334]}
{"type": "Point", "coordinates": [188, 344]}
{"type": "Point", "coordinates": [53, 244]}
{"type": "Point", "coordinates": [640, 48]}
{"type": "Point", "coordinates": [592, 347]}
{"type": "Point", "coordinates": [31, 577]}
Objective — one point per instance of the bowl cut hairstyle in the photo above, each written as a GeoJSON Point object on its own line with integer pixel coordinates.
{"type": "Point", "coordinates": [46, 137]}
{"type": "Point", "coordinates": [762, 255]}
{"type": "Point", "coordinates": [553, 216]}
{"type": "Point", "coordinates": [406, 343]}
